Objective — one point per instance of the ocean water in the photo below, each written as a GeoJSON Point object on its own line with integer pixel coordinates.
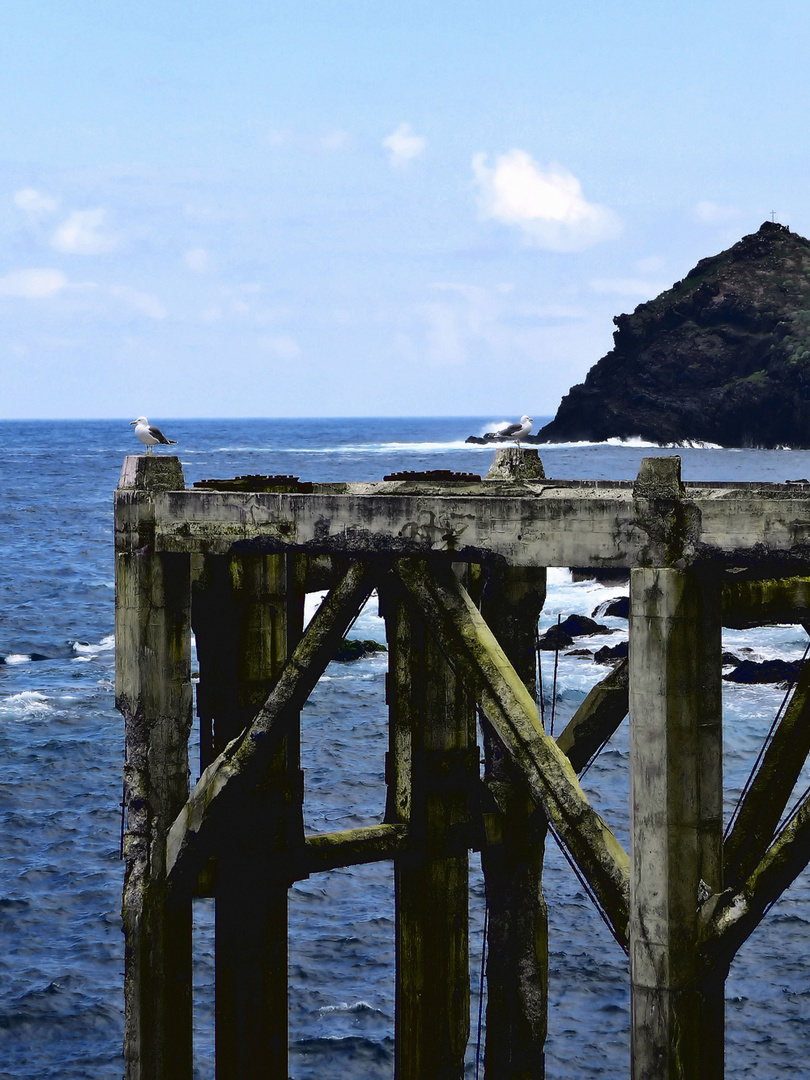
{"type": "Point", "coordinates": [61, 747]}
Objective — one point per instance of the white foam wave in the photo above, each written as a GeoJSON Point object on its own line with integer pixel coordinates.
{"type": "Point", "coordinates": [633, 443]}
{"type": "Point", "coordinates": [345, 1007]}
{"type": "Point", "coordinates": [87, 650]}
{"type": "Point", "coordinates": [351, 448]}
{"type": "Point", "coordinates": [17, 658]}
{"type": "Point", "coordinates": [25, 704]}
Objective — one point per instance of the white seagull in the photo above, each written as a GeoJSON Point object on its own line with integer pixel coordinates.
{"type": "Point", "coordinates": [149, 435]}
{"type": "Point", "coordinates": [518, 431]}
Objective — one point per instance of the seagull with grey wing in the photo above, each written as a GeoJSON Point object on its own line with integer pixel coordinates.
{"type": "Point", "coordinates": [150, 435]}
{"type": "Point", "coordinates": [517, 431]}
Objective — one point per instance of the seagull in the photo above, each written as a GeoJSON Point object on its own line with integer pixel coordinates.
{"type": "Point", "coordinates": [516, 432]}
{"type": "Point", "coordinates": [150, 435]}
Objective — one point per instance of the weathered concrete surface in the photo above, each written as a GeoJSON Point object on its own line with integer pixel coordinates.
{"type": "Point", "coordinates": [140, 473]}
{"type": "Point", "coordinates": [514, 463]}
{"type": "Point", "coordinates": [153, 692]}
{"type": "Point", "coordinates": [675, 822]}
{"type": "Point", "coordinates": [762, 527]}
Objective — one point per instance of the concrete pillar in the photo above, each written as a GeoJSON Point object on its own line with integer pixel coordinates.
{"type": "Point", "coordinates": [511, 463]}
{"type": "Point", "coordinates": [154, 694]}
{"type": "Point", "coordinates": [517, 950]}
{"type": "Point", "coordinates": [432, 752]}
{"type": "Point", "coordinates": [676, 822]}
{"type": "Point", "coordinates": [248, 616]}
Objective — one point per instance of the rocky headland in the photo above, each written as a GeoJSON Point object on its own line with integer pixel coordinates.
{"type": "Point", "coordinates": [722, 357]}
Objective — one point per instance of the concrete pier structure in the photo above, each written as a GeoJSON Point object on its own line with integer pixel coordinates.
{"type": "Point", "coordinates": [459, 567]}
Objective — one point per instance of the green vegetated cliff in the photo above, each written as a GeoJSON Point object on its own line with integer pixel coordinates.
{"type": "Point", "coordinates": [722, 357]}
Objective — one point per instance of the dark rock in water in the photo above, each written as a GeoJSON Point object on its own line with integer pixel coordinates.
{"type": "Point", "coordinates": [609, 654]}
{"type": "Point", "coordinates": [579, 652]}
{"type": "Point", "coordinates": [555, 638]}
{"type": "Point", "coordinates": [494, 437]}
{"type": "Point", "coordinates": [617, 609]}
{"type": "Point", "coordinates": [349, 649]}
{"type": "Point", "coordinates": [768, 671]}
{"type": "Point", "coordinates": [582, 626]}
{"type": "Point", "coordinates": [561, 635]}
{"type": "Point", "coordinates": [722, 357]}
{"type": "Point", "coordinates": [604, 574]}
{"type": "Point", "coordinates": [728, 659]}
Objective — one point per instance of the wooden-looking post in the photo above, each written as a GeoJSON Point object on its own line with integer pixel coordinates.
{"type": "Point", "coordinates": [248, 617]}
{"type": "Point", "coordinates": [676, 822]}
{"type": "Point", "coordinates": [432, 752]}
{"type": "Point", "coordinates": [153, 692]}
{"type": "Point", "coordinates": [517, 951]}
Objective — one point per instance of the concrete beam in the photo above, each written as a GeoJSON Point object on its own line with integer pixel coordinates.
{"type": "Point", "coordinates": [765, 528]}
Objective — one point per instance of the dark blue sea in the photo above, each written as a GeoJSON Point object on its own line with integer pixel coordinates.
{"type": "Point", "coordinates": [61, 752]}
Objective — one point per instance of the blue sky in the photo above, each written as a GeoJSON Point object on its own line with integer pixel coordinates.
{"type": "Point", "coordinates": [361, 207]}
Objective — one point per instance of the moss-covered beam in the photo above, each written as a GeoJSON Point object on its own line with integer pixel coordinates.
{"type": "Point", "coordinates": [597, 718]}
{"type": "Point", "coordinates": [350, 847]}
{"type": "Point", "coordinates": [765, 601]}
{"type": "Point", "coordinates": [729, 919]}
{"type": "Point", "coordinates": [473, 650]}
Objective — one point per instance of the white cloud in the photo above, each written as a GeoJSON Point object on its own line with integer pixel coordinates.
{"type": "Point", "coordinates": [35, 203]}
{"type": "Point", "coordinates": [144, 303]}
{"type": "Point", "coordinates": [403, 146]}
{"type": "Point", "coordinates": [35, 284]}
{"type": "Point", "coordinates": [197, 260]}
{"type": "Point", "coordinates": [546, 204]}
{"type": "Point", "coordinates": [628, 286]}
{"type": "Point", "coordinates": [81, 234]}
{"type": "Point", "coordinates": [282, 346]}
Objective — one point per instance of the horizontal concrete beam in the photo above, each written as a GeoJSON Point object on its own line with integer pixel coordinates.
{"type": "Point", "coordinates": [761, 528]}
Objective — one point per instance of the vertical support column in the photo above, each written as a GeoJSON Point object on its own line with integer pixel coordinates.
{"type": "Point", "coordinates": [517, 953]}
{"type": "Point", "coordinates": [676, 822]}
{"type": "Point", "coordinates": [153, 692]}
{"type": "Point", "coordinates": [432, 751]}
{"type": "Point", "coordinates": [249, 616]}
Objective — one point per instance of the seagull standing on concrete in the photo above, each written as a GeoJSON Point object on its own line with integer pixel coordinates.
{"type": "Point", "coordinates": [516, 432]}
{"type": "Point", "coordinates": [150, 435]}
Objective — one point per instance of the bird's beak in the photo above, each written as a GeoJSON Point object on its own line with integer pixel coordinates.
{"type": "Point", "coordinates": [132, 422]}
